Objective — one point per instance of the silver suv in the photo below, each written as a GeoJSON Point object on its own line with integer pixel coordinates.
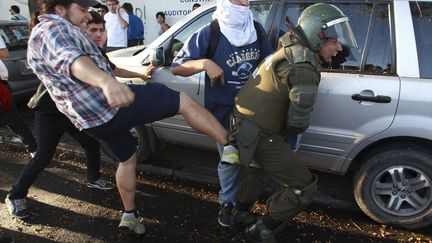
{"type": "Point", "coordinates": [372, 116]}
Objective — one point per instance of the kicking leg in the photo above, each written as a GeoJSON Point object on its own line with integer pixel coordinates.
{"type": "Point", "coordinates": [126, 182]}
{"type": "Point", "coordinates": [200, 119]}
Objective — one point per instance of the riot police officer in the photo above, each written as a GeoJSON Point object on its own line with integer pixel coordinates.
{"type": "Point", "coordinates": [278, 98]}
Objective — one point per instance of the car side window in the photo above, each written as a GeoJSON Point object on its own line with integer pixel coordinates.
{"type": "Point", "coordinates": [373, 55]}
{"type": "Point", "coordinates": [15, 36]}
{"type": "Point", "coordinates": [261, 12]}
{"type": "Point", "coordinates": [422, 19]}
{"type": "Point", "coordinates": [378, 48]}
{"type": "Point", "coordinates": [180, 38]}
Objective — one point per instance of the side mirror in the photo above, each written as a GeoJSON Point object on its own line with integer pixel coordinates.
{"type": "Point", "coordinates": [157, 57]}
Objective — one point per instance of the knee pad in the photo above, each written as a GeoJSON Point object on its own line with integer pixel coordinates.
{"type": "Point", "coordinates": [302, 197]}
{"type": "Point", "coordinates": [307, 194]}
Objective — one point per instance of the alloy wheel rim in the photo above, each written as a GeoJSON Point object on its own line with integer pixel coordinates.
{"type": "Point", "coordinates": [402, 190]}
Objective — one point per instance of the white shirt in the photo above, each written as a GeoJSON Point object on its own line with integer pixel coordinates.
{"type": "Point", "coordinates": [4, 74]}
{"type": "Point", "coordinates": [116, 35]}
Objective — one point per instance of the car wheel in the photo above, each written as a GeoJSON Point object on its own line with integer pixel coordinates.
{"type": "Point", "coordinates": [394, 186]}
{"type": "Point", "coordinates": [144, 149]}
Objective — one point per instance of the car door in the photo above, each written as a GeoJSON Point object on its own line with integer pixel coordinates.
{"type": "Point", "coordinates": [357, 99]}
{"type": "Point", "coordinates": [175, 129]}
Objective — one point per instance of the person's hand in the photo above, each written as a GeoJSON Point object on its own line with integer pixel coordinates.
{"type": "Point", "coordinates": [118, 94]}
{"type": "Point", "coordinates": [214, 72]}
{"type": "Point", "coordinates": [118, 9]}
{"type": "Point", "coordinates": [148, 72]}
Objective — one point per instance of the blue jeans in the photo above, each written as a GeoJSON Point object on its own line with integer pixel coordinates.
{"type": "Point", "coordinates": [230, 174]}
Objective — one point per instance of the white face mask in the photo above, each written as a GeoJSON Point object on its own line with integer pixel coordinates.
{"type": "Point", "coordinates": [235, 22]}
{"type": "Point", "coordinates": [237, 14]}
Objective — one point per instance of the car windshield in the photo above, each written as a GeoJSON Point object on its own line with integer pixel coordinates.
{"type": "Point", "coordinates": [15, 36]}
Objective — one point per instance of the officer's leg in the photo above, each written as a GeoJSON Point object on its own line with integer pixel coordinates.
{"type": "Point", "coordinates": [250, 187]}
{"type": "Point", "coordinates": [296, 185]}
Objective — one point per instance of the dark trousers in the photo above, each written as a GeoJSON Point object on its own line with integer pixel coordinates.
{"type": "Point", "coordinates": [135, 42]}
{"type": "Point", "coordinates": [15, 122]}
{"type": "Point", "coordinates": [279, 164]}
{"type": "Point", "coordinates": [50, 126]}
{"type": "Point", "coordinates": [112, 48]}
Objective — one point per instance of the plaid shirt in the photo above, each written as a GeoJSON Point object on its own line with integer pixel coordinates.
{"type": "Point", "coordinates": [53, 46]}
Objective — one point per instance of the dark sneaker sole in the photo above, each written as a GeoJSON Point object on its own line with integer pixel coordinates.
{"type": "Point", "coordinates": [127, 231]}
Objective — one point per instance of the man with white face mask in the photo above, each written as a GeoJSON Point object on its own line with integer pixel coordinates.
{"type": "Point", "coordinates": [238, 52]}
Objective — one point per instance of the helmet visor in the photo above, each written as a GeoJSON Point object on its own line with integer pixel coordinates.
{"type": "Point", "coordinates": [340, 29]}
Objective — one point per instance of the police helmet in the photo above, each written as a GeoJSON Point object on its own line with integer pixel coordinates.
{"type": "Point", "coordinates": [320, 22]}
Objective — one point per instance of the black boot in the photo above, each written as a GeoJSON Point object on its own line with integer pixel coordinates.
{"type": "Point", "coordinates": [258, 232]}
{"type": "Point", "coordinates": [242, 219]}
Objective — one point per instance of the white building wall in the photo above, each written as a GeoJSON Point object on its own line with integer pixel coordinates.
{"type": "Point", "coordinates": [145, 9]}
{"type": "Point", "coordinates": [174, 10]}
{"type": "Point", "coordinates": [5, 6]}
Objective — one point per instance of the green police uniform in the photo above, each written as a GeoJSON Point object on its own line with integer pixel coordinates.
{"type": "Point", "coordinates": [277, 97]}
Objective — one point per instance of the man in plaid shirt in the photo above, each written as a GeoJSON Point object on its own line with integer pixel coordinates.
{"type": "Point", "coordinates": [84, 88]}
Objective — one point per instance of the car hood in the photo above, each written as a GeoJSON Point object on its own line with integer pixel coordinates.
{"type": "Point", "coordinates": [127, 52]}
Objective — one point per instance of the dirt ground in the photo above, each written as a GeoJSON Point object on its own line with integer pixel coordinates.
{"type": "Point", "coordinates": [64, 210]}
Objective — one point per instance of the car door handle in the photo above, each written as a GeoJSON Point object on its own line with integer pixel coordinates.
{"type": "Point", "coordinates": [376, 99]}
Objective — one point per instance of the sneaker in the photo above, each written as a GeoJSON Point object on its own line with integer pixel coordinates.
{"type": "Point", "coordinates": [230, 155]}
{"type": "Point", "coordinates": [131, 224]}
{"type": "Point", "coordinates": [225, 217]}
{"type": "Point", "coordinates": [17, 207]}
{"type": "Point", "coordinates": [100, 184]}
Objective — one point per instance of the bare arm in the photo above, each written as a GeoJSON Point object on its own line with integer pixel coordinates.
{"type": "Point", "coordinates": [195, 66]}
{"type": "Point", "coordinates": [146, 75]}
{"type": "Point", "coordinates": [4, 53]}
{"type": "Point", "coordinates": [122, 22]}
{"type": "Point", "coordinates": [117, 94]}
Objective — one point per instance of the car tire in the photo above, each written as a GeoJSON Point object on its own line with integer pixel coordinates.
{"type": "Point", "coordinates": [394, 186]}
{"type": "Point", "coordinates": [144, 149]}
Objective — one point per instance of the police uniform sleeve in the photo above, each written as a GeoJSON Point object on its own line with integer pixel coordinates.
{"type": "Point", "coordinates": [302, 81]}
